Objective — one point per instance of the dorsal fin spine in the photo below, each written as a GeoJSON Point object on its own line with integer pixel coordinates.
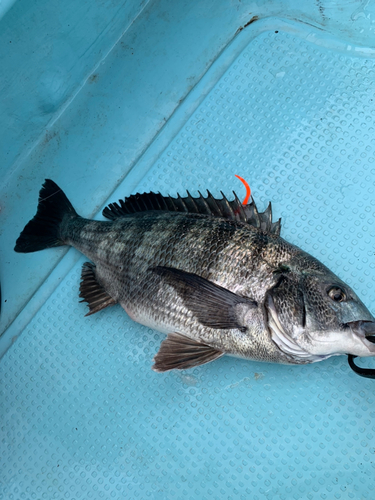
{"type": "Point", "coordinates": [229, 210]}
{"type": "Point", "coordinates": [240, 208]}
{"type": "Point", "coordinates": [170, 203]}
{"type": "Point", "coordinates": [161, 201]}
{"type": "Point", "coordinates": [182, 202]}
{"type": "Point", "coordinates": [155, 201]}
{"type": "Point", "coordinates": [204, 202]}
{"type": "Point", "coordinates": [215, 204]}
{"type": "Point", "coordinates": [194, 203]}
{"type": "Point", "coordinates": [209, 206]}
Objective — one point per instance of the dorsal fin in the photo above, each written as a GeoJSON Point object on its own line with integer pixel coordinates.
{"type": "Point", "coordinates": [233, 210]}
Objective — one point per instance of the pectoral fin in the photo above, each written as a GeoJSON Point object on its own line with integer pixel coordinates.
{"type": "Point", "coordinates": [92, 292]}
{"type": "Point", "coordinates": [178, 352]}
{"type": "Point", "coordinates": [212, 305]}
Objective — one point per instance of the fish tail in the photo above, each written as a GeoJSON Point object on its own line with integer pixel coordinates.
{"type": "Point", "coordinates": [46, 228]}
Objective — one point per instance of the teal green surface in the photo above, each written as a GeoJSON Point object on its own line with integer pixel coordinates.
{"type": "Point", "coordinates": [82, 413]}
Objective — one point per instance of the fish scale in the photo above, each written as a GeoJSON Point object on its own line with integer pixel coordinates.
{"type": "Point", "coordinates": [214, 275]}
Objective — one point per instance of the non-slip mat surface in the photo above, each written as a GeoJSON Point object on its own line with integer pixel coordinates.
{"type": "Point", "coordinates": [83, 415]}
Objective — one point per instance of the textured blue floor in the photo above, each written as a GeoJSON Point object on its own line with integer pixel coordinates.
{"type": "Point", "coordinates": [83, 415]}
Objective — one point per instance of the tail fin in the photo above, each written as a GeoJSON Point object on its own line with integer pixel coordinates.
{"type": "Point", "coordinates": [43, 231]}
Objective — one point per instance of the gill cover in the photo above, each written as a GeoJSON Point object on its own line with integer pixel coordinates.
{"type": "Point", "coordinates": [286, 318]}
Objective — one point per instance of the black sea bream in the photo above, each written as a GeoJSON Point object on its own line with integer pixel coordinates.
{"type": "Point", "coordinates": [213, 275]}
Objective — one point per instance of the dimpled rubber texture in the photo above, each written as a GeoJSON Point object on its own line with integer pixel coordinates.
{"type": "Point", "coordinates": [83, 415]}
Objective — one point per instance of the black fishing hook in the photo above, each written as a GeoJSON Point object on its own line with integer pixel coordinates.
{"type": "Point", "coordinates": [363, 372]}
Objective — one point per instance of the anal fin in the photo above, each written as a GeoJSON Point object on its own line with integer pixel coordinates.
{"type": "Point", "coordinates": [178, 352]}
{"type": "Point", "coordinates": [92, 292]}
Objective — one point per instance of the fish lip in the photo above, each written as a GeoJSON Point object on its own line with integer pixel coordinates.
{"type": "Point", "coordinates": [363, 329]}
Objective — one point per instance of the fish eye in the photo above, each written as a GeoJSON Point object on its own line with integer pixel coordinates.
{"type": "Point", "coordinates": [336, 294]}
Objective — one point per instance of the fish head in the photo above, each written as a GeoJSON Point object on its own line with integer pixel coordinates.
{"type": "Point", "coordinates": [312, 315]}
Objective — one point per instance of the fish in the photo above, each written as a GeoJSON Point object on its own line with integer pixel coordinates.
{"type": "Point", "coordinates": [213, 275]}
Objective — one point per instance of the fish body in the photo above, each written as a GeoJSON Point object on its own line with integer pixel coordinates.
{"type": "Point", "coordinates": [214, 276]}
{"type": "Point", "coordinates": [128, 251]}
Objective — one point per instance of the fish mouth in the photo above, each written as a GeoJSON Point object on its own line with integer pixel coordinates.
{"type": "Point", "coordinates": [365, 332]}
{"type": "Point", "coordinates": [283, 340]}
{"type": "Point", "coordinates": [363, 329]}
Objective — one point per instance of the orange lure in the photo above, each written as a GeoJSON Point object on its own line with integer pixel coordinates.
{"type": "Point", "coordinates": [248, 190]}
